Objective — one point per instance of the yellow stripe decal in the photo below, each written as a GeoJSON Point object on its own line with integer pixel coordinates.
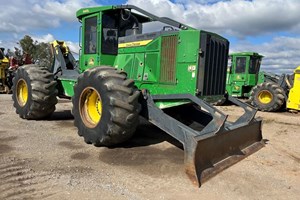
{"type": "Point", "coordinates": [134, 44]}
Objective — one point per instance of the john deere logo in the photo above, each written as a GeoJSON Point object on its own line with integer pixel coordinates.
{"type": "Point", "coordinates": [91, 61]}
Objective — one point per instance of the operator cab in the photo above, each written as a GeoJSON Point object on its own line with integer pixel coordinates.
{"type": "Point", "coordinates": [242, 64]}
{"type": "Point", "coordinates": [243, 73]}
{"type": "Point", "coordinates": [116, 24]}
{"type": "Point", "coordinates": [104, 29]}
{"type": "Point", "coordinates": [119, 23]}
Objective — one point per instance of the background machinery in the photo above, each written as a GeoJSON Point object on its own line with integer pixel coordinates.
{"type": "Point", "coordinates": [4, 65]}
{"type": "Point", "coordinates": [9, 63]}
{"type": "Point", "coordinates": [293, 102]}
{"type": "Point", "coordinates": [166, 76]}
{"type": "Point", "coordinates": [243, 73]}
{"type": "Point", "coordinates": [266, 91]}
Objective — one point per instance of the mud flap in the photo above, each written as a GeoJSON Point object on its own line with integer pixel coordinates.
{"type": "Point", "coordinates": [211, 143]}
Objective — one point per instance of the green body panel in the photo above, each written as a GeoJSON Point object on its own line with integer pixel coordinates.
{"type": "Point", "coordinates": [243, 74]}
{"type": "Point", "coordinates": [261, 77]}
{"type": "Point", "coordinates": [143, 64]}
{"type": "Point", "coordinates": [67, 86]}
{"type": "Point", "coordinates": [165, 64]}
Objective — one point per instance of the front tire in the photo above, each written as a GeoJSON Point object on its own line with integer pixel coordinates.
{"type": "Point", "coordinates": [34, 92]}
{"type": "Point", "coordinates": [267, 97]}
{"type": "Point", "coordinates": [105, 106]}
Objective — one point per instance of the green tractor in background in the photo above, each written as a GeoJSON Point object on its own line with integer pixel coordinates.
{"type": "Point", "coordinates": [265, 91]}
{"type": "Point", "coordinates": [166, 76]}
{"type": "Point", "coordinates": [243, 73]}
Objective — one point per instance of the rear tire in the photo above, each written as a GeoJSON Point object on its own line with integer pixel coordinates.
{"type": "Point", "coordinates": [34, 92]}
{"type": "Point", "coordinates": [105, 106]}
{"type": "Point", "coordinates": [267, 97]}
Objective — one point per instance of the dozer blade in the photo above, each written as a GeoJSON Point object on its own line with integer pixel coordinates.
{"type": "Point", "coordinates": [211, 143]}
{"type": "Point", "coordinates": [204, 158]}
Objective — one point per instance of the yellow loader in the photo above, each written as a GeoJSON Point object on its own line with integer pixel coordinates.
{"type": "Point", "coordinates": [4, 64]}
{"type": "Point", "coordinates": [293, 102]}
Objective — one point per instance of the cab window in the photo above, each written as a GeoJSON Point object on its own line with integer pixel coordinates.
{"type": "Point", "coordinates": [254, 65]}
{"type": "Point", "coordinates": [109, 34]}
{"type": "Point", "coordinates": [90, 35]}
{"type": "Point", "coordinates": [240, 65]}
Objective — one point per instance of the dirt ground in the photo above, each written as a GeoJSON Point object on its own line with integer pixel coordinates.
{"type": "Point", "coordinates": [48, 160]}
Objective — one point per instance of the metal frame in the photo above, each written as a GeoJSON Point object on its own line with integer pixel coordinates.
{"type": "Point", "coordinates": [218, 145]}
{"type": "Point", "coordinates": [165, 20]}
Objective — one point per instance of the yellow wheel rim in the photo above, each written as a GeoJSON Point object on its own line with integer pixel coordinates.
{"type": "Point", "coordinates": [22, 92]}
{"type": "Point", "coordinates": [90, 106]}
{"type": "Point", "coordinates": [265, 97]}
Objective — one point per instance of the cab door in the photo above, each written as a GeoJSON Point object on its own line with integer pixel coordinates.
{"type": "Point", "coordinates": [239, 74]}
{"type": "Point", "coordinates": [240, 68]}
{"type": "Point", "coordinates": [90, 42]}
{"type": "Point", "coordinates": [254, 67]}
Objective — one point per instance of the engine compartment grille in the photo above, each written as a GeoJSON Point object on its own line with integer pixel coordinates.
{"type": "Point", "coordinates": [213, 58]}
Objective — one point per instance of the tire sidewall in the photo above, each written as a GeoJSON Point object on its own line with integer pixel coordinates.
{"type": "Point", "coordinates": [21, 73]}
{"type": "Point", "coordinates": [262, 104]}
{"type": "Point", "coordinates": [102, 127]}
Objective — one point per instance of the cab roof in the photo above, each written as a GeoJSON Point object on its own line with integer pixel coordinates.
{"type": "Point", "coordinates": [142, 18]}
{"type": "Point", "coordinates": [247, 53]}
{"type": "Point", "coordinates": [91, 10]}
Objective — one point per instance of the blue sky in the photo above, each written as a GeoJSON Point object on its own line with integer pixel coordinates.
{"type": "Point", "coordinates": [269, 27]}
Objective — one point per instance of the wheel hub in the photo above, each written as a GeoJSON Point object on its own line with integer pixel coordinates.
{"type": "Point", "coordinates": [265, 97]}
{"type": "Point", "coordinates": [22, 92]}
{"type": "Point", "coordinates": [90, 107]}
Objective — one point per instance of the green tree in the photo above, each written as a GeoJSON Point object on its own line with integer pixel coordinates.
{"type": "Point", "coordinates": [28, 45]}
{"type": "Point", "coordinates": [40, 52]}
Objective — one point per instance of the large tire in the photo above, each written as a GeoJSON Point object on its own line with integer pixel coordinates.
{"type": "Point", "coordinates": [267, 97]}
{"type": "Point", "coordinates": [105, 106]}
{"type": "Point", "coordinates": [34, 92]}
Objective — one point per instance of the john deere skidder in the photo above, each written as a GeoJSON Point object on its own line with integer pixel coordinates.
{"type": "Point", "coordinates": [266, 91]}
{"type": "Point", "coordinates": [166, 76]}
{"type": "Point", "coordinates": [243, 73]}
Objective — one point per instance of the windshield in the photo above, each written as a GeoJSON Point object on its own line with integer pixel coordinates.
{"type": "Point", "coordinates": [240, 65]}
{"type": "Point", "coordinates": [254, 65]}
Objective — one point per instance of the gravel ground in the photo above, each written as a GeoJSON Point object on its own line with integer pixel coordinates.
{"type": "Point", "coordinates": [48, 160]}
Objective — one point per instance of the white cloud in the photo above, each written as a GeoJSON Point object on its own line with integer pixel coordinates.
{"type": "Point", "coordinates": [44, 38]}
{"type": "Point", "coordinates": [198, 1]}
{"type": "Point", "coordinates": [20, 17]}
{"type": "Point", "coordinates": [239, 18]}
{"type": "Point", "coordinates": [281, 55]}
{"type": "Point", "coordinates": [26, 15]}
{"type": "Point", "coordinates": [74, 46]}
{"type": "Point", "coordinates": [235, 18]}
{"type": "Point", "coordinates": [8, 44]}
{"type": "Point", "coordinates": [64, 10]}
